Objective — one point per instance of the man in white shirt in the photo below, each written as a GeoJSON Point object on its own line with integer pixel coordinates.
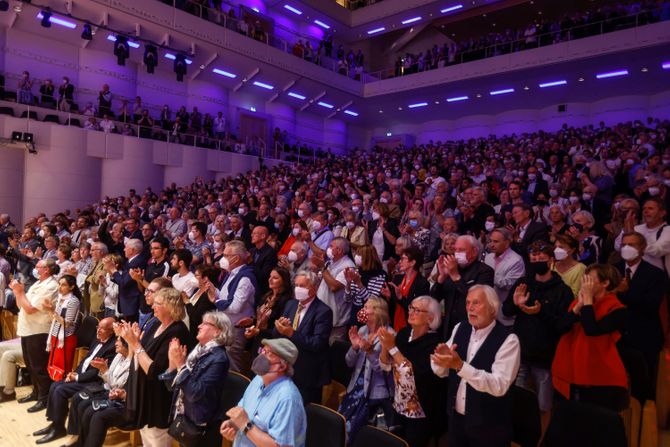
{"type": "Point", "coordinates": [478, 402]}
{"type": "Point", "coordinates": [236, 296]}
{"type": "Point", "coordinates": [507, 265]}
{"type": "Point", "coordinates": [184, 280]}
{"type": "Point", "coordinates": [331, 290]}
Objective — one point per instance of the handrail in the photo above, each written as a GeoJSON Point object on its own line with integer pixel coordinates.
{"type": "Point", "coordinates": [540, 40]}
{"type": "Point", "coordinates": [298, 148]}
{"type": "Point", "coordinates": [231, 23]}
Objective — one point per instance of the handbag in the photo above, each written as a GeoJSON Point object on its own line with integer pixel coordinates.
{"type": "Point", "coordinates": [185, 431]}
{"type": "Point", "coordinates": [56, 365]}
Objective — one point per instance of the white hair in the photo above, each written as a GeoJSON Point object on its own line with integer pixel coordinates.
{"type": "Point", "coordinates": [474, 242]}
{"type": "Point", "coordinates": [434, 310]}
{"type": "Point", "coordinates": [491, 297]}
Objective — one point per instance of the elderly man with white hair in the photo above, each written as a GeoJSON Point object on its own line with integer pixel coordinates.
{"type": "Point", "coordinates": [457, 273]}
{"type": "Point", "coordinates": [129, 291]}
{"type": "Point", "coordinates": [485, 358]}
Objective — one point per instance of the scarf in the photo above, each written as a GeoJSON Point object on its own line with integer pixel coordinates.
{"type": "Point", "coordinates": [198, 352]}
{"type": "Point", "coordinates": [55, 324]}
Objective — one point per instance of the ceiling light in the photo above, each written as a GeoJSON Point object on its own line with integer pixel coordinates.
{"type": "Point", "coordinates": [293, 10]}
{"type": "Point", "coordinates": [501, 92]}
{"type": "Point", "coordinates": [112, 38]}
{"type": "Point", "coordinates": [479, 95]}
{"type": "Point", "coordinates": [224, 73]}
{"type": "Point", "coordinates": [412, 20]}
{"type": "Point", "coordinates": [644, 69]}
{"type": "Point", "coordinates": [666, 65]}
{"type": "Point", "coordinates": [263, 85]}
{"type": "Point", "coordinates": [388, 134]}
{"type": "Point", "coordinates": [86, 32]}
{"type": "Point", "coordinates": [296, 96]}
{"type": "Point", "coordinates": [457, 99]}
{"type": "Point", "coordinates": [325, 104]}
{"type": "Point", "coordinates": [612, 74]}
{"type": "Point", "coordinates": [349, 112]}
{"type": "Point", "coordinates": [581, 79]}
{"type": "Point", "coordinates": [172, 56]}
{"type": "Point", "coordinates": [377, 30]}
{"type": "Point", "coordinates": [418, 104]}
{"type": "Point", "coordinates": [381, 111]}
{"type": "Point", "coordinates": [451, 8]}
{"type": "Point", "coordinates": [553, 83]}
{"type": "Point", "coordinates": [252, 108]}
{"type": "Point", "coordinates": [437, 102]}
{"type": "Point", "coordinates": [47, 19]}
{"type": "Point", "coordinates": [321, 24]}
{"type": "Point", "coordinates": [399, 108]}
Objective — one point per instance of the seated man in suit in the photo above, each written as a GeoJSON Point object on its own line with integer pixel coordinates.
{"type": "Point", "coordinates": [75, 381]}
{"type": "Point", "coordinates": [307, 322]}
{"type": "Point", "coordinates": [642, 296]}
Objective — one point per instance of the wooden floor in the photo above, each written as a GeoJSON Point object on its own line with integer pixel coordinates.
{"type": "Point", "coordinates": [17, 426]}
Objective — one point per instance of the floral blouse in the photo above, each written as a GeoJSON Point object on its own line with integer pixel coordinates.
{"type": "Point", "coordinates": [406, 399]}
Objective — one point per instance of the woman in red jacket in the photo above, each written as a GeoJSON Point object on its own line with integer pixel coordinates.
{"type": "Point", "coordinates": [587, 366]}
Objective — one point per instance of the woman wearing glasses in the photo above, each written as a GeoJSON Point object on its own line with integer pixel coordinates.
{"type": "Point", "coordinates": [419, 400]}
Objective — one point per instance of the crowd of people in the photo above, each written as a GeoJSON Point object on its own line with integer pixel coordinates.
{"type": "Point", "coordinates": [452, 272]}
{"type": "Point", "coordinates": [546, 31]}
{"type": "Point", "coordinates": [128, 118]}
{"type": "Point", "coordinates": [249, 24]}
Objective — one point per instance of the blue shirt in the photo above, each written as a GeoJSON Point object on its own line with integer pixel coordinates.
{"type": "Point", "coordinates": [277, 410]}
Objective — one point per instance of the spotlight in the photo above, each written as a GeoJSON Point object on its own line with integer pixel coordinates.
{"type": "Point", "coordinates": [150, 58]}
{"type": "Point", "coordinates": [46, 17]}
{"type": "Point", "coordinates": [87, 33]}
{"type": "Point", "coordinates": [17, 136]}
{"type": "Point", "coordinates": [180, 67]}
{"type": "Point", "coordinates": [121, 49]}
{"type": "Point", "coordinates": [27, 137]}
{"type": "Point", "coordinates": [31, 147]}
{"type": "Point", "coordinates": [4, 5]}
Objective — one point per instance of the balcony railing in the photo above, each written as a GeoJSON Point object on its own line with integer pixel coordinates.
{"type": "Point", "coordinates": [452, 57]}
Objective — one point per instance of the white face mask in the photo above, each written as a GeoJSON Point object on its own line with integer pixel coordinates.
{"type": "Point", "coordinates": [292, 256]}
{"type": "Point", "coordinates": [217, 245]}
{"type": "Point", "coordinates": [574, 199]}
{"type": "Point", "coordinates": [224, 263]}
{"type": "Point", "coordinates": [41, 234]}
{"type": "Point", "coordinates": [301, 293]}
{"type": "Point", "coordinates": [191, 236]}
{"type": "Point", "coordinates": [358, 260]}
{"type": "Point", "coordinates": [489, 226]}
{"type": "Point", "coordinates": [329, 253]}
{"type": "Point", "coordinates": [242, 211]}
{"type": "Point", "coordinates": [375, 215]}
{"type": "Point", "coordinates": [350, 225]}
{"type": "Point", "coordinates": [654, 191]}
{"type": "Point", "coordinates": [316, 225]}
{"type": "Point", "coordinates": [553, 193]}
{"type": "Point", "coordinates": [586, 196]}
{"type": "Point", "coordinates": [301, 213]}
{"type": "Point", "coordinates": [277, 210]}
{"type": "Point", "coordinates": [461, 258]}
{"type": "Point", "coordinates": [560, 253]}
{"type": "Point", "coordinates": [355, 208]}
{"type": "Point", "coordinates": [628, 253]}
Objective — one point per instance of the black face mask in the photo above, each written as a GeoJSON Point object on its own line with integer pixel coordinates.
{"type": "Point", "coordinates": [538, 268]}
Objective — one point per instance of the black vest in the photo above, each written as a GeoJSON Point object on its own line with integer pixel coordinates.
{"type": "Point", "coordinates": [480, 408]}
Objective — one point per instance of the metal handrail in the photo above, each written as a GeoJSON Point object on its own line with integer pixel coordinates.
{"type": "Point", "coordinates": [541, 40]}
{"type": "Point", "coordinates": [220, 18]}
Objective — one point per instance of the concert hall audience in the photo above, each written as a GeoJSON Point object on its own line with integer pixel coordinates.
{"type": "Point", "coordinates": [534, 209]}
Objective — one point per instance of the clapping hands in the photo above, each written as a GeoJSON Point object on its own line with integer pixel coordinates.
{"type": "Point", "coordinates": [447, 357]}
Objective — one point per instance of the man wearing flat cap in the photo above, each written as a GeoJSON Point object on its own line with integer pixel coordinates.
{"type": "Point", "coordinates": [271, 411]}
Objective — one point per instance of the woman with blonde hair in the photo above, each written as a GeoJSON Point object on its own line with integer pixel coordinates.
{"type": "Point", "coordinates": [370, 388]}
{"type": "Point", "coordinates": [364, 281]}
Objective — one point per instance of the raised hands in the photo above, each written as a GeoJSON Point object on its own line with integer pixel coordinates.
{"type": "Point", "coordinates": [176, 354]}
{"type": "Point", "coordinates": [447, 357]}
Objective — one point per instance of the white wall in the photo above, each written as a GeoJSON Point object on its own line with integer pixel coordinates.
{"type": "Point", "coordinates": [611, 110]}
{"type": "Point", "coordinates": [74, 167]}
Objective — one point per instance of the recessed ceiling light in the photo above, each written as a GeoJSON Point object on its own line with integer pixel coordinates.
{"type": "Point", "coordinates": [399, 108]}
{"type": "Point", "coordinates": [581, 79]}
{"type": "Point", "coordinates": [645, 69]}
{"type": "Point", "coordinates": [526, 87]}
{"type": "Point", "coordinates": [437, 102]}
{"type": "Point", "coordinates": [202, 67]}
{"type": "Point", "coordinates": [381, 111]}
{"type": "Point", "coordinates": [479, 95]}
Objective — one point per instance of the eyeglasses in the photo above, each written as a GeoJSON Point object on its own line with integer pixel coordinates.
{"type": "Point", "coordinates": [416, 310]}
{"type": "Point", "coordinates": [149, 291]}
{"type": "Point", "coordinates": [210, 324]}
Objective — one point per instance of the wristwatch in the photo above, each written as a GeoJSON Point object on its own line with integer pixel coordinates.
{"type": "Point", "coordinates": [247, 427]}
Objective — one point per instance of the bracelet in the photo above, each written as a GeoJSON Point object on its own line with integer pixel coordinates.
{"type": "Point", "coordinates": [393, 351]}
{"type": "Point", "coordinates": [138, 351]}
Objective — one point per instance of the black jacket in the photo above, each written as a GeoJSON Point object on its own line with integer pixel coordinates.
{"type": "Point", "coordinates": [264, 260]}
{"type": "Point", "coordinates": [454, 293]}
{"type": "Point", "coordinates": [538, 333]}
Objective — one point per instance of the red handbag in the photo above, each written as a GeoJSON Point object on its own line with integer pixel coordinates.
{"type": "Point", "coordinates": [56, 365]}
